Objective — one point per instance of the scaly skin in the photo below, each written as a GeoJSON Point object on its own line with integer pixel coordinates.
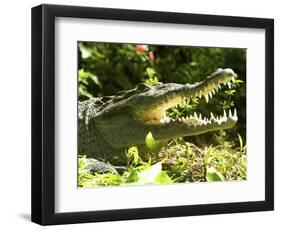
{"type": "Point", "coordinates": [108, 125]}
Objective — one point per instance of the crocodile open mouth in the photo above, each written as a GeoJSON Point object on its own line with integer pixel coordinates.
{"type": "Point", "coordinates": [227, 116]}
{"type": "Point", "coordinates": [206, 89]}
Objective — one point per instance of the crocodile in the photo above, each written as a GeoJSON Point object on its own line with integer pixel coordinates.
{"type": "Point", "coordinates": [110, 124]}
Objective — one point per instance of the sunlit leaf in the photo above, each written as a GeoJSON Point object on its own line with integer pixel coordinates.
{"type": "Point", "coordinates": [241, 142]}
{"type": "Point", "coordinates": [154, 175]}
{"type": "Point", "coordinates": [163, 178]}
{"type": "Point", "coordinates": [133, 155]}
{"type": "Point", "coordinates": [150, 72]}
{"type": "Point", "coordinates": [133, 176]}
{"type": "Point", "coordinates": [85, 52]}
{"type": "Point", "coordinates": [213, 175]}
{"type": "Point", "coordinates": [152, 144]}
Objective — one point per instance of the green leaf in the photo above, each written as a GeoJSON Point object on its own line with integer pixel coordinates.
{"type": "Point", "coordinates": [85, 52]}
{"type": "Point", "coordinates": [208, 157]}
{"type": "Point", "coordinates": [84, 77]}
{"type": "Point", "coordinates": [133, 176]}
{"type": "Point", "coordinates": [241, 142]}
{"type": "Point", "coordinates": [154, 175]}
{"type": "Point", "coordinates": [152, 78]}
{"type": "Point", "coordinates": [150, 72]}
{"type": "Point", "coordinates": [163, 178]}
{"type": "Point", "coordinates": [213, 175]}
{"type": "Point", "coordinates": [230, 92]}
{"type": "Point", "coordinates": [133, 155]}
{"type": "Point", "coordinates": [152, 144]}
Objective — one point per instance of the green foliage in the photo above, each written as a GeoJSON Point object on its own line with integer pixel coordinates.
{"type": "Point", "coordinates": [189, 163]}
{"type": "Point", "coordinates": [230, 161]}
{"type": "Point", "coordinates": [151, 74]}
{"type": "Point", "coordinates": [138, 173]}
{"type": "Point", "coordinates": [133, 156]}
{"type": "Point", "coordinates": [117, 66]}
{"type": "Point", "coordinates": [152, 144]}
{"type": "Point", "coordinates": [154, 175]}
{"type": "Point", "coordinates": [87, 81]}
{"type": "Point", "coordinates": [106, 68]}
{"type": "Point", "coordinates": [178, 162]}
{"type": "Point", "coordinates": [213, 175]}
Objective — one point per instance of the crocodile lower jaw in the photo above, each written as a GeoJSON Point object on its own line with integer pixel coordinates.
{"type": "Point", "coordinates": [199, 120]}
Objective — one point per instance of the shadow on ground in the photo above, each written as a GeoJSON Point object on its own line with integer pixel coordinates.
{"type": "Point", "coordinates": [25, 216]}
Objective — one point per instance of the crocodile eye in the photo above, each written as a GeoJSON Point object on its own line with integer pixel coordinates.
{"type": "Point", "coordinates": [142, 87]}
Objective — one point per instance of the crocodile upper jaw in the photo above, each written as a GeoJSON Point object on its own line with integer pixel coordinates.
{"type": "Point", "coordinates": [156, 114]}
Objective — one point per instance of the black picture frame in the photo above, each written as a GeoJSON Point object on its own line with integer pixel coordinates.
{"type": "Point", "coordinates": [43, 110]}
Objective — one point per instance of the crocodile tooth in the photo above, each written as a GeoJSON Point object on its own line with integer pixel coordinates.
{"type": "Point", "coordinates": [207, 98]}
{"type": "Point", "coordinates": [219, 86]}
{"type": "Point", "coordinates": [214, 91]}
{"type": "Point", "coordinates": [195, 115]}
{"type": "Point", "coordinates": [235, 113]}
{"type": "Point", "coordinates": [229, 85]}
{"type": "Point", "coordinates": [229, 111]}
{"type": "Point", "coordinates": [210, 94]}
{"type": "Point", "coordinates": [224, 113]}
{"type": "Point", "coordinates": [200, 116]}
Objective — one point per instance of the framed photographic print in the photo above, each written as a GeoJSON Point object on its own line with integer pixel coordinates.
{"type": "Point", "coordinates": [141, 114]}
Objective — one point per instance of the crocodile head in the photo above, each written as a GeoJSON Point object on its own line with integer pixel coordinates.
{"type": "Point", "coordinates": [125, 119]}
{"type": "Point", "coordinates": [132, 114]}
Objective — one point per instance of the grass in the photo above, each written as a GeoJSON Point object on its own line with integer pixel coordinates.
{"type": "Point", "coordinates": [177, 162]}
